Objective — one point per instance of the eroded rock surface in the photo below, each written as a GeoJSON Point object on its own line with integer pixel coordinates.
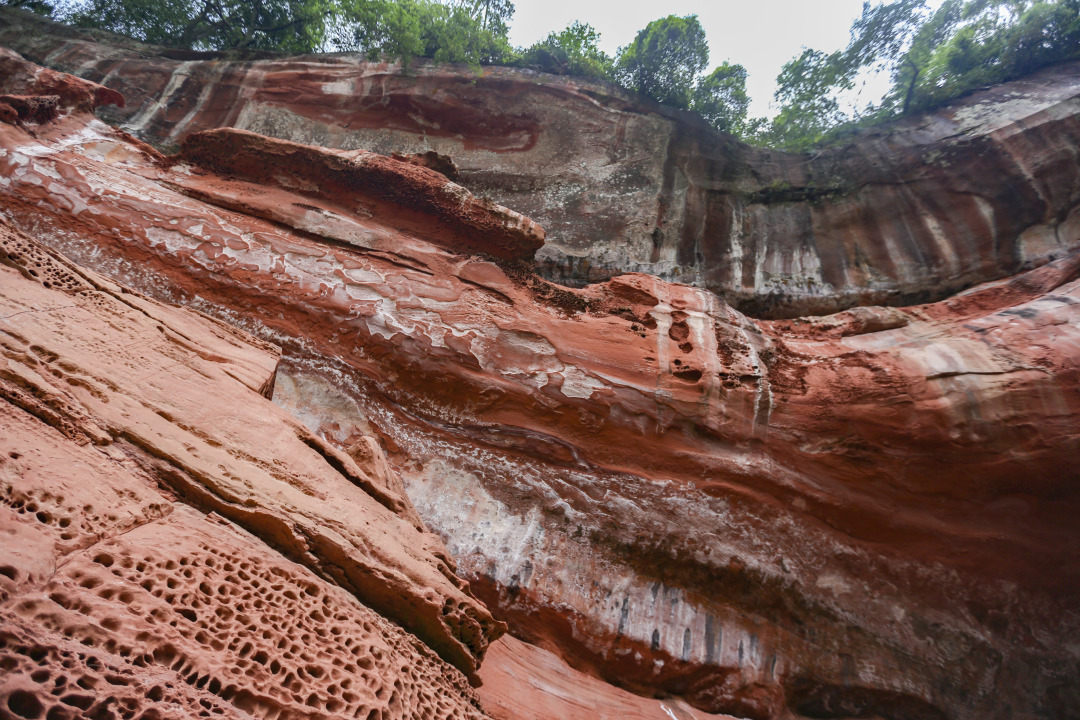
{"type": "Point", "coordinates": [169, 557]}
{"type": "Point", "coordinates": [866, 514]}
{"type": "Point", "coordinates": [909, 214]}
{"type": "Point", "coordinates": [421, 200]}
{"type": "Point", "coordinates": [524, 682]}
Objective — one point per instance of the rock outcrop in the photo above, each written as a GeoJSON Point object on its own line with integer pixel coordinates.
{"type": "Point", "coordinates": [868, 514]}
{"type": "Point", "coordinates": [167, 557]}
{"type": "Point", "coordinates": [909, 214]}
{"type": "Point", "coordinates": [420, 200]}
{"type": "Point", "coordinates": [524, 682]}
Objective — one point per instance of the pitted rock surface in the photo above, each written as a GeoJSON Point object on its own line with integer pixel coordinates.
{"type": "Point", "coordinates": [126, 590]}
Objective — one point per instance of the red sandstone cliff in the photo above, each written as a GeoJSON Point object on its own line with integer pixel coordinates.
{"type": "Point", "coordinates": [913, 213]}
{"type": "Point", "coordinates": [866, 514]}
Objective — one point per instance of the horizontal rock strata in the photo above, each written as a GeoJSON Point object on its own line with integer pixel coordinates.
{"type": "Point", "coordinates": [444, 212]}
{"type": "Point", "coordinates": [913, 213]}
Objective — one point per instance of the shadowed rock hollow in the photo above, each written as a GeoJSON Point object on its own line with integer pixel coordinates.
{"type": "Point", "coordinates": [682, 509]}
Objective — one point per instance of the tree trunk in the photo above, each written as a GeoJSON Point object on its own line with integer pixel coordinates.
{"type": "Point", "coordinates": [911, 86]}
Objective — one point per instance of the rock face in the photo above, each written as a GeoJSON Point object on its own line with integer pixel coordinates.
{"type": "Point", "coordinates": [422, 200]}
{"type": "Point", "coordinates": [165, 556]}
{"type": "Point", "coordinates": [927, 208]}
{"type": "Point", "coordinates": [524, 682]}
{"type": "Point", "coordinates": [869, 514]}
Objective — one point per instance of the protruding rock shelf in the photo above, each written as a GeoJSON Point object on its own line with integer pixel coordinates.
{"type": "Point", "coordinates": [421, 199]}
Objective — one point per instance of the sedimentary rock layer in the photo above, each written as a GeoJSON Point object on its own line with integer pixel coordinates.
{"type": "Point", "coordinates": [166, 556]}
{"type": "Point", "coordinates": [524, 682]}
{"type": "Point", "coordinates": [865, 514]}
{"type": "Point", "coordinates": [421, 200]}
{"type": "Point", "coordinates": [937, 203]}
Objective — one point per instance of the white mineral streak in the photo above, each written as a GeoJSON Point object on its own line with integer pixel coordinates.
{"type": "Point", "coordinates": [153, 106]}
{"type": "Point", "coordinates": [941, 240]}
{"type": "Point", "coordinates": [209, 87]}
{"type": "Point", "coordinates": [519, 550]}
{"type": "Point", "coordinates": [662, 314]}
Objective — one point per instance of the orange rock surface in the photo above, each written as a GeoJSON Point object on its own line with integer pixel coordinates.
{"type": "Point", "coordinates": [166, 556]}
{"type": "Point", "coordinates": [868, 514]}
{"type": "Point", "coordinates": [524, 682]}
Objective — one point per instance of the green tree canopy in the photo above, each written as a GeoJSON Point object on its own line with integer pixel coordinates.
{"type": "Point", "coordinates": [806, 91]}
{"type": "Point", "coordinates": [286, 25]}
{"type": "Point", "coordinates": [466, 32]}
{"type": "Point", "coordinates": [378, 27]}
{"type": "Point", "coordinates": [987, 41]}
{"type": "Point", "coordinates": [931, 56]}
{"type": "Point", "coordinates": [574, 51]}
{"type": "Point", "coordinates": [664, 60]}
{"type": "Point", "coordinates": [41, 7]}
{"type": "Point", "coordinates": [492, 15]}
{"type": "Point", "coordinates": [471, 31]}
{"type": "Point", "coordinates": [720, 98]}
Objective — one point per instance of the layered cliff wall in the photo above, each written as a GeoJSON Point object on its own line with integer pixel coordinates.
{"type": "Point", "coordinates": [913, 213]}
{"type": "Point", "coordinates": [866, 514]}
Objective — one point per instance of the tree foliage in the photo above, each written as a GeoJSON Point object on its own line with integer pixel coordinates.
{"type": "Point", "coordinates": [574, 51]}
{"type": "Point", "coordinates": [664, 60]}
{"type": "Point", "coordinates": [41, 7]}
{"type": "Point", "coordinates": [808, 106]}
{"type": "Point", "coordinates": [720, 98]}
{"type": "Point", "coordinates": [990, 41]}
{"type": "Point", "coordinates": [931, 56]}
{"type": "Point", "coordinates": [286, 25]}
{"type": "Point", "coordinates": [471, 32]}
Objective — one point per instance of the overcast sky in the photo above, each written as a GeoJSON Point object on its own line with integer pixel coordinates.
{"type": "Point", "coordinates": [761, 35]}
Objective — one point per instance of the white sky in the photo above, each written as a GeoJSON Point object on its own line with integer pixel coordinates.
{"type": "Point", "coordinates": [761, 35]}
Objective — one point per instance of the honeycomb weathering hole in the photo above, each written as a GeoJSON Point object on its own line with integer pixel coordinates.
{"type": "Point", "coordinates": [25, 704]}
{"type": "Point", "coordinates": [233, 625]}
